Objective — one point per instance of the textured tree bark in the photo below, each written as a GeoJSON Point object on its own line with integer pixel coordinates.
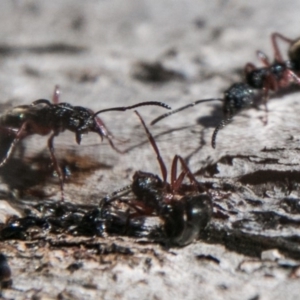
{"type": "Point", "coordinates": [106, 54]}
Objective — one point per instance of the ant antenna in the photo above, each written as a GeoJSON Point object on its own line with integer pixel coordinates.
{"type": "Point", "coordinates": [217, 129]}
{"type": "Point", "coordinates": [183, 108]}
{"type": "Point", "coordinates": [123, 108]}
{"type": "Point", "coordinates": [114, 195]}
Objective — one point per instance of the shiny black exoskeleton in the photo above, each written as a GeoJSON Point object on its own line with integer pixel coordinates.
{"type": "Point", "coordinates": [185, 218]}
{"type": "Point", "coordinates": [280, 72]}
{"type": "Point", "coordinates": [236, 98]}
{"type": "Point", "coordinates": [258, 77]}
{"type": "Point", "coordinates": [185, 209]}
{"type": "Point", "coordinates": [43, 117]}
{"type": "Point", "coordinates": [273, 76]}
{"type": "Point", "coordinates": [148, 188]}
{"type": "Point", "coordinates": [64, 217]}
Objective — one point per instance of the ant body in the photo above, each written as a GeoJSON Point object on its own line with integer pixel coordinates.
{"type": "Point", "coordinates": [271, 77]}
{"type": "Point", "coordinates": [279, 74]}
{"type": "Point", "coordinates": [183, 208]}
{"type": "Point", "coordinates": [43, 117]}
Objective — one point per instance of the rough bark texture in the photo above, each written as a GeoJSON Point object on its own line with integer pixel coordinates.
{"type": "Point", "coordinates": [119, 52]}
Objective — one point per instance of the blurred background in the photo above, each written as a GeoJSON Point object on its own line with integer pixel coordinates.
{"type": "Point", "coordinates": [105, 53]}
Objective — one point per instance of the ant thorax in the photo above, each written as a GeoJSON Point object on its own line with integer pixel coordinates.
{"type": "Point", "coordinates": [74, 118]}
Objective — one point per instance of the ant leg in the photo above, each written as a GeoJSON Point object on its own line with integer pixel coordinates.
{"type": "Point", "coordinates": [270, 83]}
{"type": "Point", "coordinates": [294, 76]}
{"type": "Point", "coordinates": [56, 95]}
{"type": "Point", "coordinates": [154, 146]}
{"type": "Point", "coordinates": [274, 37]}
{"type": "Point", "coordinates": [218, 128]}
{"type": "Point", "coordinates": [249, 67]}
{"type": "Point", "coordinates": [176, 182]}
{"type": "Point", "coordinates": [103, 132]}
{"type": "Point", "coordinates": [263, 58]}
{"type": "Point", "coordinates": [187, 170]}
{"type": "Point", "coordinates": [265, 100]}
{"type": "Point", "coordinates": [55, 163]}
{"type": "Point", "coordinates": [9, 131]}
{"type": "Point", "coordinates": [20, 134]}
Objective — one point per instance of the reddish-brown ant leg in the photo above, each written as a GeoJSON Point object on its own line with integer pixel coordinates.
{"type": "Point", "coordinates": [55, 163]}
{"type": "Point", "coordinates": [105, 133]}
{"type": "Point", "coordinates": [265, 100]}
{"type": "Point", "coordinates": [8, 130]}
{"type": "Point", "coordinates": [277, 53]}
{"type": "Point", "coordinates": [12, 146]}
{"type": "Point", "coordinates": [263, 58]}
{"type": "Point", "coordinates": [56, 95]}
{"type": "Point", "coordinates": [154, 146]}
{"type": "Point", "coordinates": [176, 181]}
{"type": "Point", "coordinates": [270, 82]}
{"type": "Point", "coordinates": [278, 57]}
{"type": "Point", "coordinates": [186, 172]}
{"type": "Point", "coordinates": [249, 67]}
{"type": "Point", "coordinates": [294, 76]}
{"type": "Point", "coordinates": [191, 177]}
{"type": "Point", "coordinates": [141, 208]}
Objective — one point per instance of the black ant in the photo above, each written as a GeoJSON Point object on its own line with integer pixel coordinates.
{"type": "Point", "coordinates": [62, 217]}
{"type": "Point", "coordinates": [272, 77]}
{"type": "Point", "coordinates": [43, 117]}
{"type": "Point", "coordinates": [279, 74]}
{"type": "Point", "coordinates": [184, 208]}
{"type": "Point", "coordinates": [238, 97]}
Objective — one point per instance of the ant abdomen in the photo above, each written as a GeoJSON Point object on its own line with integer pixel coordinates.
{"type": "Point", "coordinates": [294, 54]}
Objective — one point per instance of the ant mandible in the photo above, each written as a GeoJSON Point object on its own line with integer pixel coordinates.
{"type": "Point", "coordinates": [272, 77]}
{"type": "Point", "coordinates": [184, 208]}
{"type": "Point", "coordinates": [43, 117]}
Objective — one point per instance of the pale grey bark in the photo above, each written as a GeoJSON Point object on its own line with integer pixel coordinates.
{"type": "Point", "coordinates": [250, 253]}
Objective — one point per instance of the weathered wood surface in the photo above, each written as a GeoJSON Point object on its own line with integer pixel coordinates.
{"type": "Point", "coordinates": [94, 52]}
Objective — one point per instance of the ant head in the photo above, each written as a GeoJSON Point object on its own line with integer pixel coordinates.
{"type": "Point", "coordinates": [81, 120]}
{"type": "Point", "coordinates": [236, 98]}
{"type": "Point", "coordinates": [143, 181]}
